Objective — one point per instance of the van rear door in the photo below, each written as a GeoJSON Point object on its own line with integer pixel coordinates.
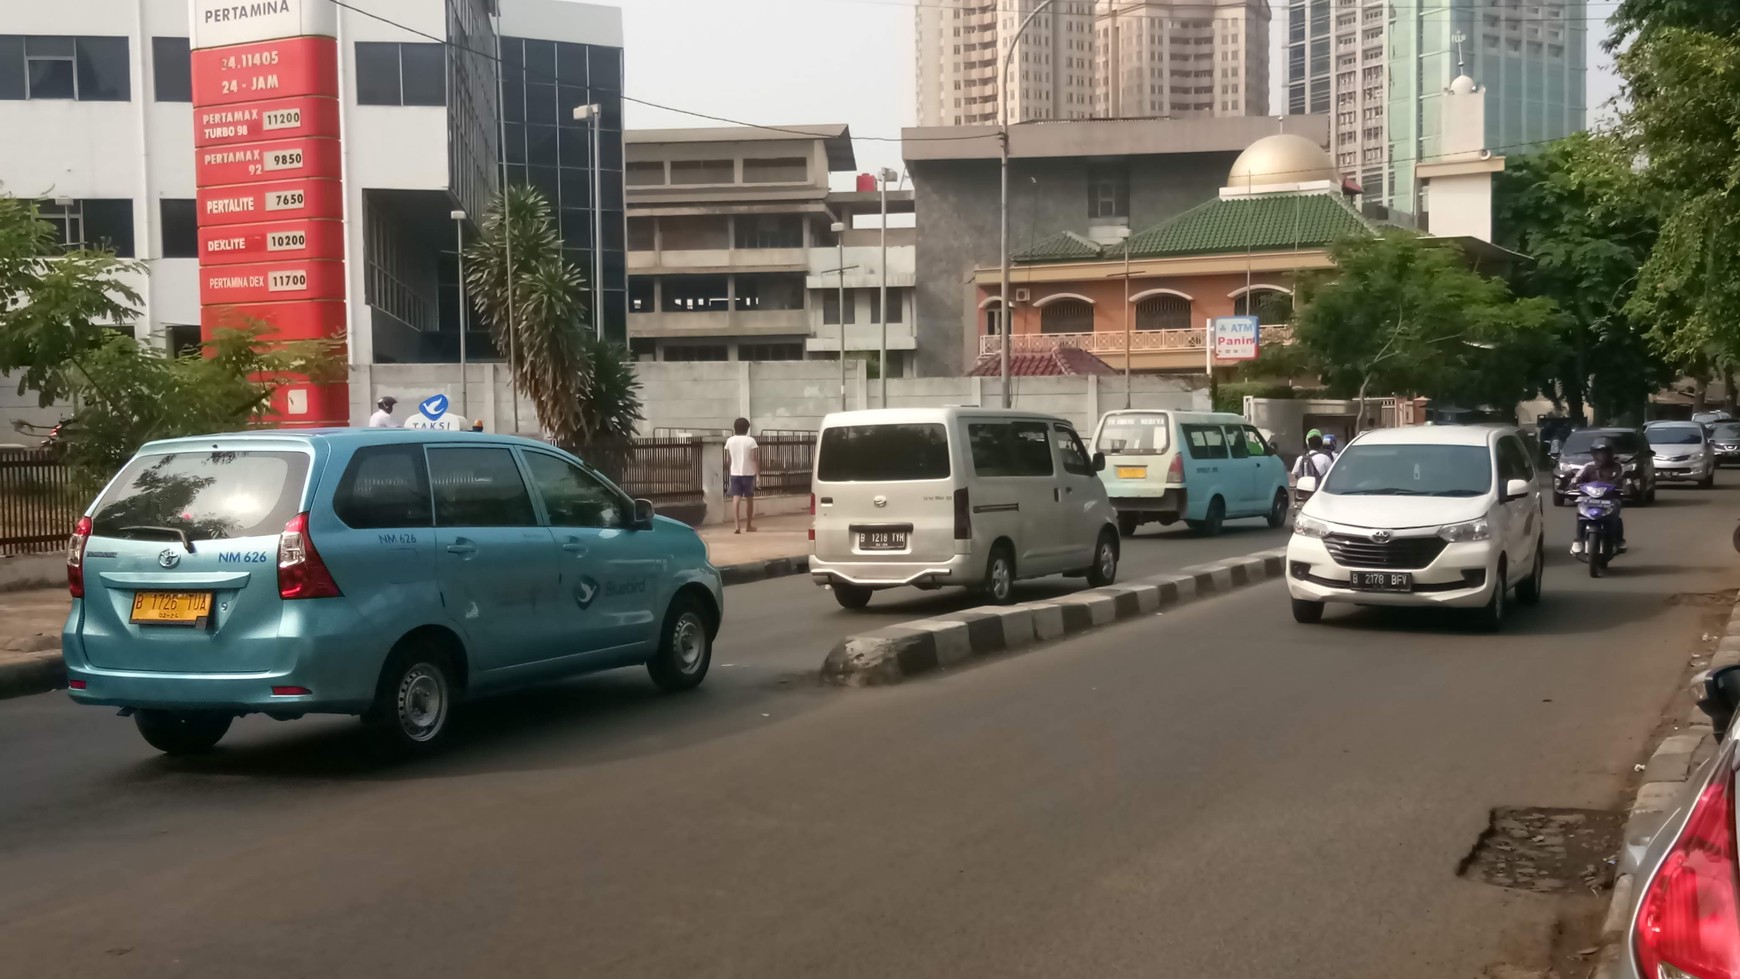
{"type": "Point", "coordinates": [885, 490]}
{"type": "Point", "coordinates": [181, 568]}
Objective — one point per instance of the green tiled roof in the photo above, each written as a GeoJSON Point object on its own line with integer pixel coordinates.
{"type": "Point", "coordinates": [1065, 246]}
{"type": "Point", "coordinates": [1272, 223]}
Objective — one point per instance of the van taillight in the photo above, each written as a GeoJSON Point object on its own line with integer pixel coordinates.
{"type": "Point", "coordinates": [1686, 922]}
{"type": "Point", "coordinates": [963, 516]}
{"type": "Point", "coordinates": [301, 572]}
{"type": "Point", "coordinates": [75, 557]}
{"type": "Point", "coordinates": [1175, 472]}
{"type": "Point", "coordinates": [812, 516]}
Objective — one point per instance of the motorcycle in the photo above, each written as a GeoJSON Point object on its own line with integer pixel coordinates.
{"type": "Point", "coordinates": [54, 436]}
{"type": "Point", "coordinates": [1598, 507]}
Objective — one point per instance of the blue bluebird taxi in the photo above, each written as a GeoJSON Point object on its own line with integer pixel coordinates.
{"type": "Point", "coordinates": [387, 573]}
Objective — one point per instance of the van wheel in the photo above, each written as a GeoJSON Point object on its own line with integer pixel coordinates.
{"type": "Point", "coordinates": [851, 596]}
{"type": "Point", "coordinates": [1210, 525]}
{"type": "Point", "coordinates": [999, 586]}
{"type": "Point", "coordinates": [189, 732]}
{"type": "Point", "coordinates": [1307, 612]}
{"type": "Point", "coordinates": [685, 647]}
{"type": "Point", "coordinates": [1278, 509]}
{"type": "Point", "coordinates": [1127, 524]}
{"type": "Point", "coordinates": [414, 700]}
{"type": "Point", "coordinates": [1105, 569]}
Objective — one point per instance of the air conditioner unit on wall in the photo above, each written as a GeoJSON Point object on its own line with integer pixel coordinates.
{"type": "Point", "coordinates": [1022, 295]}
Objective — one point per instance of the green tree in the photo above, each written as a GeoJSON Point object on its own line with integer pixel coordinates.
{"type": "Point", "coordinates": [1402, 314]}
{"type": "Point", "coordinates": [1643, 19]}
{"type": "Point", "coordinates": [1587, 218]}
{"type": "Point", "coordinates": [535, 304]}
{"type": "Point", "coordinates": [66, 334]}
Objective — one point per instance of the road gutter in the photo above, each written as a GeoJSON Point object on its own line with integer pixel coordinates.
{"type": "Point", "coordinates": [895, 653]}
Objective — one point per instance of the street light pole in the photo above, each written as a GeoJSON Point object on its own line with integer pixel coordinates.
{"type": "Point", "coordinates": [882, 178]}
{"type": "Point", "coordinates": [459, 256]}
{"type": "Point", "coordinates": [591, 113]}
{"type": "Point", "coordinates": [507, 234]}
{"type": "Point", "coordinates": [1003, 160]}
{"type": "Point", "coordinates": [839, 230]}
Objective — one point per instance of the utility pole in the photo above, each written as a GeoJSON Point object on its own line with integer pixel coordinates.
{"type": "Point", "coordinates": [1008, 321]}
{"type": "Point", "coordinates": [839, 229]}
{"type": "Point", "coordinates": [459, 256]}
{"type": "Point", "coordinates": [882, 177]}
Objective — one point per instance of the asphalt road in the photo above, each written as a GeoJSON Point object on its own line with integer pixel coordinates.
{"type": "Point", "coordinates": [1215, 791]}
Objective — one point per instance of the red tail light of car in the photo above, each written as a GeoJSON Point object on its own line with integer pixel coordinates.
{"type": "Point", "coordinates": [75, 557]}
{"type": "Point", "coordinates": [301, 572]}
{"type": "Point", "coordinates": [1175, 472]}
{"type": "Point", "coordinates": [1688, 923]}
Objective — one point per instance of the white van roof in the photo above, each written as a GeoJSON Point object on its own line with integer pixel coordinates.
{"type": "Point", "coordinates": [945, 415]}
{"type": "Point", "coordinates": [1211, 417]}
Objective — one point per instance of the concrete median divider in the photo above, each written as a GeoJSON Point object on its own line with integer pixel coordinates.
{"type": "Point", "coordinates": [894, 653]}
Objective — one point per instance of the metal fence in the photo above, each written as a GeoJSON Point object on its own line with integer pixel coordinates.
{"type": "Point", "coordinates": [38, 505]}
{"type": "Point", "coordinates": [663, 470]}
{"type": "Point", "coordinates": [786, 461]}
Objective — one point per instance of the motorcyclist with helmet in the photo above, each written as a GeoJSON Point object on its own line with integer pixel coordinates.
{"type": "Point", "coordinates": [1604, 467]}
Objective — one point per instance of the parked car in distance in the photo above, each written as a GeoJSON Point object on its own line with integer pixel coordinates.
{"type": "Point", "coordinates": [1629, 447]}
{"type": "Point", "coordinates": [1725, 440]}
{"type": "Point", "coordinates": [973, 497]}
{"type": "Point", "coordinates": [381, 572]}
{"type": "Point", "coordinates": [1708, 418]}
{"type": "Point", "coordinates": [1204, 468]}
{"type": "Point", "coordinates": [1446, 516]}
{"type": "Point", "coordinates": [1683, 452]}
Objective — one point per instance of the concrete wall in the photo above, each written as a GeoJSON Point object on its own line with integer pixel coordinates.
{"type": "Point", "coordinates": [779, 395]}
{"type": "Point", "coordinates": [959, 233]}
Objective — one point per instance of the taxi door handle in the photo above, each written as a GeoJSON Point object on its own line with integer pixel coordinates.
{"type": "Point", "coordinates": [575, 548]}
{"type": "Point", "coordinates": [462, 547]}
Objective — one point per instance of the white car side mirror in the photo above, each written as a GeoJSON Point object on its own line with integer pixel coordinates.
{"type": "Point", "coordinates": [1306, 484]}
{"type": "Point", "coordinates": [1516, 489]}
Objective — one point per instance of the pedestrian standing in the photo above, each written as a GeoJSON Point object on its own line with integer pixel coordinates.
{"type": "Point", "coordinates": [383, 416]}
{"type": "Point", "coordinates": [744, 457]}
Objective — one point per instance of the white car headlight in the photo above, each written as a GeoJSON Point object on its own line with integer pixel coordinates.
{"type": "Point", "coordinates": [1457, 533]}
{"type": "Point", "coordinates": [1309, 526]}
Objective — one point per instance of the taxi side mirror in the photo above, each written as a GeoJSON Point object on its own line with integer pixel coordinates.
{"type": "Point", "coordinates": [1099, 462]}
{"type": "Point", "coordinates": [643, 514]}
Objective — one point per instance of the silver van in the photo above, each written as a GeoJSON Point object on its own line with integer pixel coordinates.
{"type": "Point", "coordinates": [972, 497]}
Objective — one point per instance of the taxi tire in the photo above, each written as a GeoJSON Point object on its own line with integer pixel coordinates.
{"type": "Point", "coordinates": [1278, 510]}
{"type": "Point", "coordinates": [686, 624]}
{"type": "Point", "coordinates": [413, 657]}
{"type": "Point", "coordinates": [176, 732]}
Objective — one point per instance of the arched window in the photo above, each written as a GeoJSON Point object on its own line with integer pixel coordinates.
{"type": "Point", "coordinates": [1271, 306]}
{"type": "Point", "coordinates": [1067, 316]}
{"type": "Point", "coordinates": [1163, 312]}
{"type": "Point", "coordinates": [993, 320]}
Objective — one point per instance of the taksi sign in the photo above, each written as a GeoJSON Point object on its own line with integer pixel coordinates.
{"type": "Point", "coordinates": [1236, 337]}
{"type": "Point", "coordinates": [432, 413]}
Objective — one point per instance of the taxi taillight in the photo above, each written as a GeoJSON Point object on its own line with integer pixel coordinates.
{"type": "Point", "coordinates": [75, 557]}
{"type": "Point", "coordinates": [301, 572]}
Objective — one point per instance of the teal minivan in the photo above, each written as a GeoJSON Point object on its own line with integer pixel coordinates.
{"type": "Point", "coordinates": [383, 572]}
{"type": "Point", "coordinates": [1204, 468]}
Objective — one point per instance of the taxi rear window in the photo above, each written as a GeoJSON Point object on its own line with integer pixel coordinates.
{"type": "Point", "coordinates": [208, 495]}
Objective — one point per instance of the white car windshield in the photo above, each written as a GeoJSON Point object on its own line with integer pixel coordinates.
{"type": "Point", "coordinates": [1411, 470]}
{"type": "Point", "coordinates": [1675, 435]}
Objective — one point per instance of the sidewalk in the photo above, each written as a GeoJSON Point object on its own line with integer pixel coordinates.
{"type": "Point", "coordinates": [780, 546]}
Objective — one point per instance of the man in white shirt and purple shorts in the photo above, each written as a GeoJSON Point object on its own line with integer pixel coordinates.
{"type": "Point", "coordinates": [743, 456]}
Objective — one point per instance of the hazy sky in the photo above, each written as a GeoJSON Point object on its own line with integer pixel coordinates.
{"type": "Point", "coordinates": [779, 62]}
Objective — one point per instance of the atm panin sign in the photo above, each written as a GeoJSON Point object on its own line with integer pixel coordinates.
{"type": "Point", "coordinates": [1236, 337]}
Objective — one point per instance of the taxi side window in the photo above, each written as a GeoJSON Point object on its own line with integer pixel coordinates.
{"type": "Point", "coordinates": [1254, 443]}
{"type": "Point", "coordinates": [1235, 442]}
{"type": "Point", "coordinates": [384, 486]}
{"type": "Point", "coordinates": [572, 496]}
{"type": "Point", "coordinates": [1206, 441]}
{"type": "Point", "coordinates": [479, 486]}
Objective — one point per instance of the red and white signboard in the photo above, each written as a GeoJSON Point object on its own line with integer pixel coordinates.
{"type": "Point", "coordinates": [270, 119]}
{"type": "Point", "coordinates": [216, 23]}
{"type": "Point", "coordinates": [253, 203]}
{"type": "Point", "coordinates": [271, 282]}
{"type": "Point", "coordinates": [1236, 337]}
{"type": "Point", "coordinates": [275, 160]}
{"type": "Point", "coordinates": [269, 70]}
{"type": "Point", "coordinates": [268, 166]}
{"type": "Point", "coordinates": [273, 241]}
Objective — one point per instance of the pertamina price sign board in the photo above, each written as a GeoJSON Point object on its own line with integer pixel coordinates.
{"type": "Point", "coordinates": [1236, 337]}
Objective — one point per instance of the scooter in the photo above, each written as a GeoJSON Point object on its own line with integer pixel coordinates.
{"type": "Point", "coordinates": [1598, 507]}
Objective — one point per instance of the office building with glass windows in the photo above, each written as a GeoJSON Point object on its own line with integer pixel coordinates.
{"type": "Point", "coordinates": [115, 128]}
{"type": "Point", "coordinates": [1381, 71]}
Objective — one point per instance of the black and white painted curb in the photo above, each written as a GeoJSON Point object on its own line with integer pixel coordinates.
{"type": "Point", "coordinates": [892, 654]}
{"type": "Point", "coordinates": [1679, 757]}
{"type": "Point", "coordinates": [779, 567]}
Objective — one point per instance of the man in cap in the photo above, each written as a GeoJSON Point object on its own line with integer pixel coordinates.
{"type": "Point", "coordinates": [383, 416]}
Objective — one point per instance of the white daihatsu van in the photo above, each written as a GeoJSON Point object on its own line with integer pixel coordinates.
{"type": "Point", "coordinates": [976, 497]}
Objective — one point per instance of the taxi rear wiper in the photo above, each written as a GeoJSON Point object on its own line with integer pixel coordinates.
{"type": "Point", "coordinates": [179, 533]}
